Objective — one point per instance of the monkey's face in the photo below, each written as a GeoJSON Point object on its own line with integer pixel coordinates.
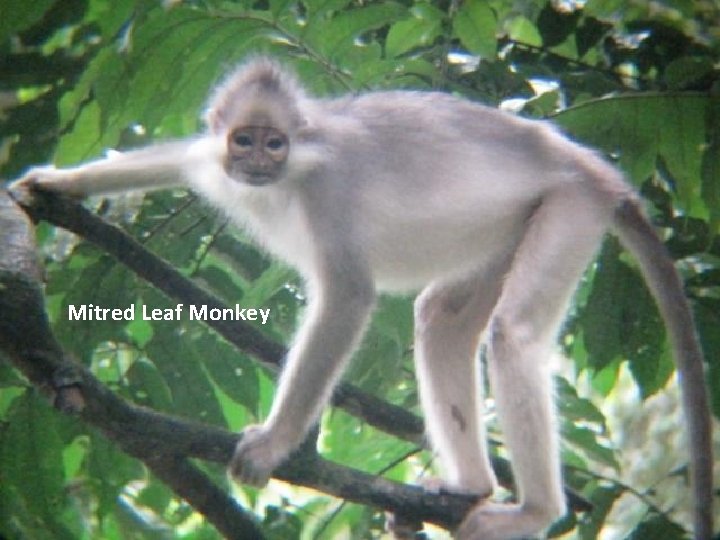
{"type": "Point", "coordinates": [256, 154]}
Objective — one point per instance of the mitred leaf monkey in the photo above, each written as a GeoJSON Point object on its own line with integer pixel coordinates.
{"type": "Point", "coordinates": [492, 216]}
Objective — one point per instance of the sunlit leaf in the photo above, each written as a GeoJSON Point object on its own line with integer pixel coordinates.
{"type": "Point", "coordinates": [411, 33]}
{"type": "Point", "coordinates": [524, 31]}
{"type": "Point", "coordinates": [475, 25]}
{"type": "Point", "coordinates": [642, 128]}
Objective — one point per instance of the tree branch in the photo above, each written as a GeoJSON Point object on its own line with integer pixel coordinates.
{"type": "Point", "coordinates": [164, 443]}
{"type": "Point", "coordinates": [161, 441]}
{"type": "Point", "coordinates": [196, 488]}
{"type": "Point", "coordinates": [26, 338]}
{"type": "Point", "coordinates": [68, 214]}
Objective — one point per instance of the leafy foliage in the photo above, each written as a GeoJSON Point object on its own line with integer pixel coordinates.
{"type": "Point", "coordinates": [81, 76]}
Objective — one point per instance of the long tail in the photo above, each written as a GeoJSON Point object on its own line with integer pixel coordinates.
{"type": "Point", "coordinates": [638, 236]}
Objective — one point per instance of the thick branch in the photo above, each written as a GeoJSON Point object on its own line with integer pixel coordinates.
{"type": "Point", "coordinates": [207, 498]}
{"type": "Point", "coordinates": [26, 338]}
{"type": "Point", "coordinates": [159, 439]}
{"type": "Point", "coordinates": [74, 217]}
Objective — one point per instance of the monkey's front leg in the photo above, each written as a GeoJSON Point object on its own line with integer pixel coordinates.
{"type": "Point", "coordinates": [333, 327]}
{"type": "Point", "coordinates": [155, 167]}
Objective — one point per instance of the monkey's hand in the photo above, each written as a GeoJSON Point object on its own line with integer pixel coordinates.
{"type": "Point", "coordinates": [47, 178]}
{"type": "Point", "coordinates": [256, 456]}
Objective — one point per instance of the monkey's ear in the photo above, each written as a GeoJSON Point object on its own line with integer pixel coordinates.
{"type": "Point", "coordinates": [215, 121]}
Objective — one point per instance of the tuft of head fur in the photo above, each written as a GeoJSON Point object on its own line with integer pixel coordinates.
{"type": "Point", "coordinates": [262, 87]}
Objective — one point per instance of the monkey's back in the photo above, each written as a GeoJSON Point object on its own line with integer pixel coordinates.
{"type": "Point", "coordinates": [464, 166]}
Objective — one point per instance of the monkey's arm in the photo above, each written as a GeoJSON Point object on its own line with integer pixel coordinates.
{"type": "Point", "coordinates": [333, 326]}
{"type": "Point", "coordinates": [156, 167]}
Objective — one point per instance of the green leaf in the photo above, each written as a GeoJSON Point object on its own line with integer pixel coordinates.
{"type": "Point", "coordinates": [371, 450]}
{"type": "Point", "coordinates": [411, 33]}
{"type": "Point", "coordinates": [147, 386]}
{"type": "Point", "coordinates": [379, 363]}
{"type": "Point", "coordinates": [336, 36]}
{"type": "Point", "coordinates": [620, 319]}
{"type": "Point", "coordinates": [17, 15]}
{"type": "Point", "coordinates": [110, 470]}
{"type": "Point", "coordinates": [394, 318]}
{"type": "Point", "coordinates": [604, 380]}
{"type": "Point", "coordinates": [181, 366]}
{"type": "Point", "coordinates": [100, 282]}
{"type": "Point", "coordinates": [523, 30]}
{"type": "Point", "coordinates": [681, 147]}
{"type": "Point", "coordinates": [603, 498]}
{"type": "Point", "coordinates": [242, 256]}
{"type": "Point", "coordinates": [475, 25]}
{"type": "Point", "coordinates": [707, 319]}
{"type": "Point", "coordinates": [644, 127]}
{"type": "Point", "coordinates": [323, 8]}
{"type": "Point", "coordinates": [563, 526]}
{"type": "Point", "coordinates": [711, 185]}
{"type": "Point", "coordinates": [600, 315]}
{"type": "Point", "coordinates": [543, 105]}
{"type": "Point", "coordinates": [11, 382]}
{"type": "Point", "coordinates": [586, 440]}
{"type": "Point", "coordinates": [280, 524]}
{"type": "Point", "coordinates": [686, 71]}
{"type": "Point", "coordinates": [110, 17]}
{"type": "Point", "coordinates": [31, 461]}
{"type": "Point", "coordinates": [231, 370]}
{"type": "Point", "coordinates": [604, 9]}
{"type": "Point", "coordinates": [273, 279]}
{"type": "Point", "coordinates": [159, 61]}
{"type": "Point", "coordinates": [176, 226]}
{"type": "Point", "coordinates": [658, 526]}
{"type": "Point", "coordinates": [221, 282]}
{"type": "Point", "coordinates": [84, 140]}
{"type": "Point", "coordinates": [711, 163]}
{"type": "Point", "coordinates": [278, 7]}
{"type": "Point", "coordinates": [139, 331]}
{"type": "Point", "coordinates": [155, 495]}
{"type": "Point", "coordinates": [575, 408]}
{"type": "Point", "coordinates": [583, 425]}
{"type": "Point", "coordinates": [72, 102]}
{"type": "Point", "coordinates": [73, 456]}
{"type": "Point", "coordinates": [589, 33]}
{"type": "Point", "coordinates": [556, 25]}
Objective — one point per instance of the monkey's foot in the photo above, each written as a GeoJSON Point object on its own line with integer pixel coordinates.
{"type": "Point", "coordinates": [256, 456]}
{"type": "Point", "coordinates": [494, 521]}
{"type": "Point", "coordinates": [403, 528]}
{"type": "Point", "coordinates": [436, 485]}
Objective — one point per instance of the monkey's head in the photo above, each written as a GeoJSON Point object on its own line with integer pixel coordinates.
{"type": "Point", "coordinates": [256, 154]}
{"type": "Point", "coordinates": [256, 111]}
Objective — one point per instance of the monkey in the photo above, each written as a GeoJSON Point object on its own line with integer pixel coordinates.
{"type": "Point", "coordinates": [492, 217]}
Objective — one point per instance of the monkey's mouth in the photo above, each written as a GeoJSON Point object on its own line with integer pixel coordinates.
{"type": "Point", "coordinates": [258, 179]}
{"type": "Point", "coordinates": [236, 171]}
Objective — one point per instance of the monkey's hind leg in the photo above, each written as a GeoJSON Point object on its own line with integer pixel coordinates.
{"type": "Point", "coordinates": [449, 318]}
{"type": "Point", "coordinates": [560, 241]}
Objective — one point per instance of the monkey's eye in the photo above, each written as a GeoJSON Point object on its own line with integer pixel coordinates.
{"type": "Point", "coordinates": [242, 139]}
{"type": "Point", "coordinates": [275, 143]}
